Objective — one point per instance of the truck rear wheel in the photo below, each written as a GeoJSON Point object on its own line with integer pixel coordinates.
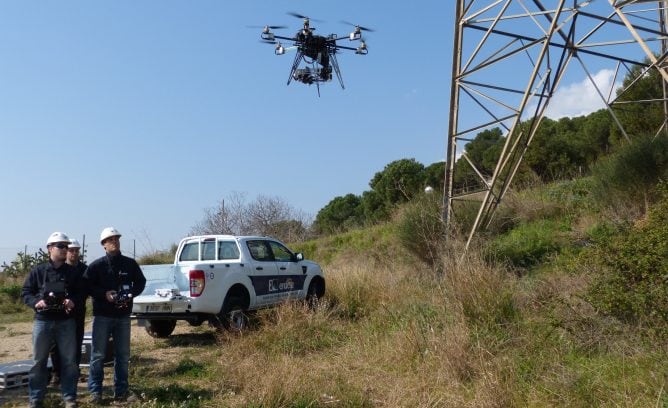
{"type": "Point", "coordinates": [160, 329]}
{"type": "Point", "coordinates": [232, 316]}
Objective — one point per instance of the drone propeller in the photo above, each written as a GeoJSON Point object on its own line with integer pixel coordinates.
{"type": "Point", "coordinates": [293, 14]}
{"type": "Point", "coordinates": [267, 26]}
{"type": "Point", "coordinates": [358, 26]}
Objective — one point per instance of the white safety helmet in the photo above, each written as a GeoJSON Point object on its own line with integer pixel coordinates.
{"type": "Point", "coordinates": [74, 243]}
{"type": "Point", "coordinates": [57, 237]}
{"type": "Point", "coordinates": [109, 232]}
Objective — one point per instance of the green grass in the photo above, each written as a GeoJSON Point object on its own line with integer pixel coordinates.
{"type": "Point", "coordinates": [392, 331]}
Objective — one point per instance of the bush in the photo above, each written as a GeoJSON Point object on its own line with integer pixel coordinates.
{"type": "Point", "coordinates": [158, 257]}
{"type": "Point", "coordinates": [13, 291]}
{"type": "Point", "coordinates": [421, 230]}
{"type": "Point", "coordinates": [631, 174]}
{"type": "Point", "coordinates": [529, 243]}
{"type": "Point", "coordinates": [635, 272]}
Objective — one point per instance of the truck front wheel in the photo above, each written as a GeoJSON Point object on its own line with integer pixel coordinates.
{"type": "Point", "coordinates": [316, 290]}
{"type": "Point", "coordinates": [160, 329]}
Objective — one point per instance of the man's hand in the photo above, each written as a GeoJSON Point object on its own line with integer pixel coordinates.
{"type": "Point", "coordinates": [40, 305]}
{"type": "Point", "coordinates": [69, 305]}
{"type": "Point", "coordinates": [111, 296]}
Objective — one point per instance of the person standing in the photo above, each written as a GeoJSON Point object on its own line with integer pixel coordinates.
{"type": "Point", "coordinates": [73, 259]}
{"type": "Point", "coordinates": [112, 281]}
{"type": "Point", "coordinates": [52, 289]}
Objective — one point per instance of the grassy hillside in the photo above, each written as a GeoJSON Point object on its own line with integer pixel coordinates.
{"type": "Point", "coordinates": [562, 304]}
{"type": "Point", "coordinates": [393, 333]}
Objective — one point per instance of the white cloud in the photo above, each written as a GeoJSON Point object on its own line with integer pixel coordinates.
{"type": "Point", "coordinates": [580, 98]}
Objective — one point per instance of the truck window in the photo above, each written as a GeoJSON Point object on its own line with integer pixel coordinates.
{"type": "Point", "coordinates": [190, 252]}
{"type": "Point", "coordinates": [228, 250]}
{"type": "Point", "coordinates": [259, 251]}
{"type": "Point", "coordinates": [281, 253]}
{"type": "Point", "coordinates": [209, 250]}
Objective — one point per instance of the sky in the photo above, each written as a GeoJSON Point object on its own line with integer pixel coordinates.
{"type": "Point", "coordinates": [142, 114]}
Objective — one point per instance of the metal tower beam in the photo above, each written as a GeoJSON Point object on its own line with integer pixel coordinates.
{"type": "Point", "coordinates": [509, 56]}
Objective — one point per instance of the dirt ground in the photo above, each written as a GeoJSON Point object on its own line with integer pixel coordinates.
{"type": "Point", "coordinates": [16, 345]}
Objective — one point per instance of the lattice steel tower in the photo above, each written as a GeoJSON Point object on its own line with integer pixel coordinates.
{"type": "Point", "coordinates": [508, 60]}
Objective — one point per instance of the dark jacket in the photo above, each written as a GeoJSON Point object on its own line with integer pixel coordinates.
{"type": "Point", "coordinates": [113, 272]}
{"type": "Point", "coordinates": [46, 275]}
{"type": "Point", "coordinates": [80, 268]}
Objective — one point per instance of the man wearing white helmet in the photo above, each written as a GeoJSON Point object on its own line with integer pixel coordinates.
{"type": "Point", "coordinates": [53, 290]}
{"type": "Point", "coordinates": [112, 281]}
{"type": "Point", "coordinates": [73, 259]}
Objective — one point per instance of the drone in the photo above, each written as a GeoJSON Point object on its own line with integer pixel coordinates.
{"type": "Point", "coordinates": [317, 52]}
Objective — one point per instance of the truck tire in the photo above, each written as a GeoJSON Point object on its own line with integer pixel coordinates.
{"type": "Point", "coordinates": [316, 290]}
{"type": "Point", "coordinates": [232, 316]}
{"type": "Point", "coordinates": [160, 329]}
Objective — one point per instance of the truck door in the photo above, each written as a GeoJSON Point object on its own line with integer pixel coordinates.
{"type": "Point", "coordinates": [264, 275]}
{"type": "Point", "coordinates": [291, 274]}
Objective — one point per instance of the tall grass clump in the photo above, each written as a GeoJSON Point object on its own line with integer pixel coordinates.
{"type": "Point", "coordinates": [158, 257]}
{"type": "Point", "coordinates": [356, 286]}
{"type": "Point", "coordinates": [530, 243]}
{"type": "Point", "coordinates": [296, 329]}
{"type": "Point", "coordinates": [480, 291]}
{"type": "Point", "coordinates": [628, 178]}
{"type": "Point", "coordinates": [420, 228]}
{"type": "Point", "coordinates": [10, 299]}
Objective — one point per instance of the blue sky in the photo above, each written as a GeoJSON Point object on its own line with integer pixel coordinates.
{"type": "Point", "coordinates": [141, 114]}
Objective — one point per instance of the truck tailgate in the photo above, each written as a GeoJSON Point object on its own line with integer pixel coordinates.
{"type": "Point", "coordinates": [162, 293]}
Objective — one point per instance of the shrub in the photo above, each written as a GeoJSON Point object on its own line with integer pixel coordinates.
{"type": "Point", "coordinates": [158, 257]}
{"type": "Point", "coordinates": [529, 243]}
{"type": "Point", "coordinates": [420, 229]}
{"type": "Point", "coordinates": [635, 274]}
{"type": "Point", "coordinates": [13, 291]}
{"type": "Point", "coordinates": [631, 174]}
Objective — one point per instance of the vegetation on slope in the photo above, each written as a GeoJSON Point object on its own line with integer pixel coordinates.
{"type": "Point", "coordinates": [563, 303]}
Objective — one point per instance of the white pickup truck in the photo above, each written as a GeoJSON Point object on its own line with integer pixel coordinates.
{"type": "Point", "coordinates": [218, 278]}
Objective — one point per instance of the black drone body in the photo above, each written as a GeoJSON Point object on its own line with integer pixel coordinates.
{"type": "Point", "coordinates": [317, 52]}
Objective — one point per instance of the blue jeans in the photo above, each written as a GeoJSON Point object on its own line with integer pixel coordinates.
{"type": "Point", "coordinates": [44, 334]}
{"type": "Point", "coordinates": [119, 329]}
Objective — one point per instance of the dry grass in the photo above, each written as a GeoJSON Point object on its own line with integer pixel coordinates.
{"type": "Point", "coordinates": [390, 334]}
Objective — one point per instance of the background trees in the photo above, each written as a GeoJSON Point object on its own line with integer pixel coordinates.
{"type": "Point", "coordinates": [265, 215]}
{"type": "Point", "coordinates": [561, 150]}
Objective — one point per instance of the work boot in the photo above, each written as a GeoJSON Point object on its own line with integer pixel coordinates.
{"type": "Point", "coordinates": [71, 404]}
{"type": "Point", "coordinates": [95, 399]}
{"type": "Point", "coordinates": [36, 404]}
{"type": "Point", "coordinates": [128, 397]}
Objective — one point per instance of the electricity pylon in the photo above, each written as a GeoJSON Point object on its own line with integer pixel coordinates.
{"type": "Point", "coordinates": [510, 56]}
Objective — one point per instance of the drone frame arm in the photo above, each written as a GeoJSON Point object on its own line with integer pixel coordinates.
{"type": "Point", "coordinates": [342, 47]}
{"type": "Point", "coordinates": [295, 64]}
{"type": "Point", "coordinates": [335, 65]}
